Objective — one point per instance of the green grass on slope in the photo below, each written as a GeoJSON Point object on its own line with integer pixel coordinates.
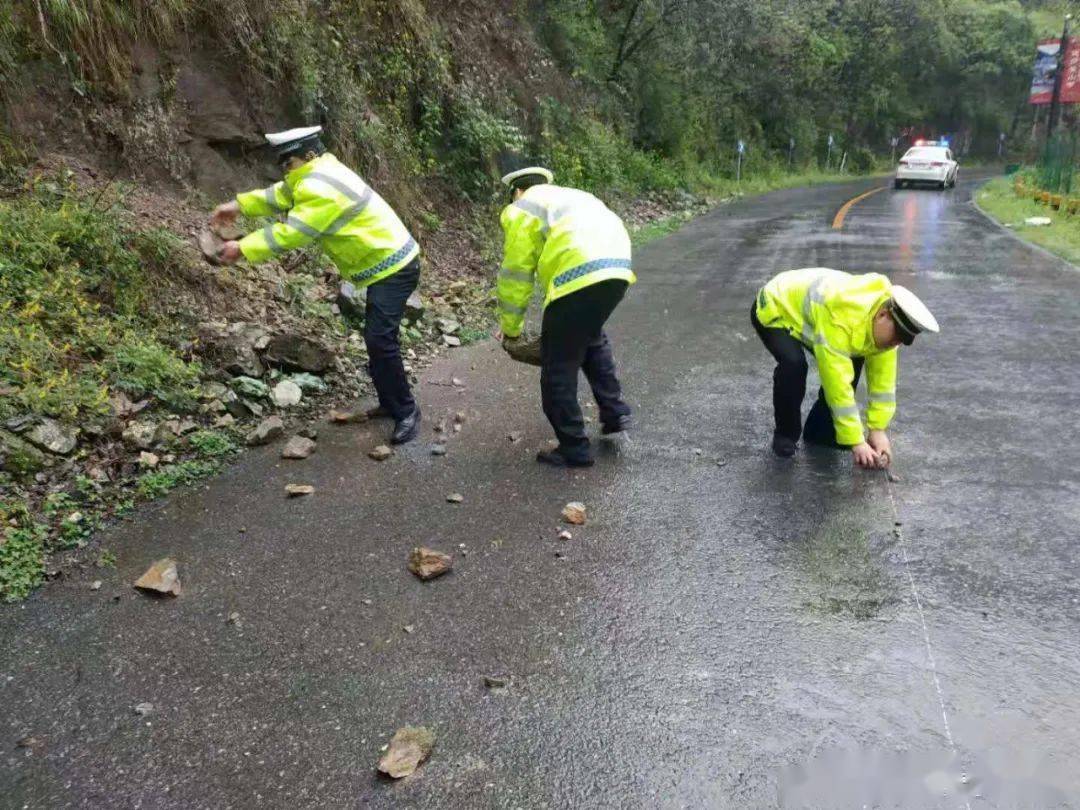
{"type": "Point", "coordinates": [1061, 237]}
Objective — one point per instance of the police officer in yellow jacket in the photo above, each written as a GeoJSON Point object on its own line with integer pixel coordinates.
{"type": "Point", "coordinates": [578, 252]}
{"type": "Point", "coordinates": [847, 322]}
{"type": "Point", "coordinates": [323, 201]}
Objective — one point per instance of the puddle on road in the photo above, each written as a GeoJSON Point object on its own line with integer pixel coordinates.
{"type": "Point", "coordinates": [843, 567]}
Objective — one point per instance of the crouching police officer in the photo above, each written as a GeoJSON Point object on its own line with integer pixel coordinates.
{"type": "Point", "coordinates": [322, 200]}
{"type": "Point", "coordinates": [579, 252]}
{"type": "Point", "coordinates": [847, 321]}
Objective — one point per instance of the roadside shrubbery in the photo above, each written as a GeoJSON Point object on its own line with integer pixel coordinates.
{"type": "Point", "coordinates": [72, 322]}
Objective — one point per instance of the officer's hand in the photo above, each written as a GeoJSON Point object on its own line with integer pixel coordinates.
{"type": "Point", "coordinates": [498, 335]}
{"type": "Point", "coordinates": [229, 253]}
{"type": "Point", "coordinates": [225, 214]}
{"type": "Point", "coordinates": [865, 456]}
{"type": "Point", "coordinates": [880, 442]}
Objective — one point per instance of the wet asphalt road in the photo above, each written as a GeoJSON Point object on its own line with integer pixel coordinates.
{"type": "Point", "coordinates": [729, 630]}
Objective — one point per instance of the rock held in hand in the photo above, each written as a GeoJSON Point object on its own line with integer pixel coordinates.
{"type": "Point", "coordinates": [409, 747]}
{"type": "Point", "coordinates": [574, 513]}
{"type": "Point", "coordinates": [427, 563]}
{"type": "Point", "coordinates": [298, 447]}
{"type": "Point", "coordinates": [380, 453]}
{"type": "Point", "coordinates": [161, 577]}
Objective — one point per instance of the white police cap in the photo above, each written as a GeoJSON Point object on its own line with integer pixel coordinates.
{"type": "Point", "coordinates": [914, 316]}
{"type": "Point", "coordinates": [508, 179]}
{"type": "Point", "coordinates": [279, 139]}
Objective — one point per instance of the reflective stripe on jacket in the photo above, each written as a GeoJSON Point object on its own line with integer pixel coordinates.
{"type": "Point", "coordinates": [326, 201]}
{"type": "Point", "coordinates": [832, 313]}
{"type": "Point", "coordinates": [566, 237]}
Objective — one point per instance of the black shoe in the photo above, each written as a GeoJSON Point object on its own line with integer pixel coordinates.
{"type": "Point", "coordinates": [555, 458]}
{"type": "Point", "coordinates": [783, 446]}
{"type": "Point", "coordinates": [622, 424]}
{"type": "Point", "coordinates": [378, 412]}
{"type": "Point", "coordinates": [406, 429]}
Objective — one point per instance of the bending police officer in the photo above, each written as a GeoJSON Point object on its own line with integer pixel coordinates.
{"type": "Point", "coordinates": [578, 251]}
{"type": "Point", "coordinates": [324, 201]}
{"type": "Point", "coordinates": [848, 322]}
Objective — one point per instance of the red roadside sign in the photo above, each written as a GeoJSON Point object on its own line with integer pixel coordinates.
{"type": "Point", "coordinates": [1042, 80]}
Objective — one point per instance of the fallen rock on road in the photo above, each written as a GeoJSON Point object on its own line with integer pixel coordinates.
{"type": "Point", "coordinates": [298, 447]}
{"type": "Point", "coordinates": [409, 747]}
{"type": "Point", "coordinates": [269, 429]}
{"type": "Point", "coordinates": [427, 563]}
{"type": "Point", "coordinates": [574, 513]}
{"type": "Point", "coordinates": [161, 577]}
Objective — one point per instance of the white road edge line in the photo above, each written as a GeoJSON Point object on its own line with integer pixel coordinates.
{"type": "Point", "coordinates": [925, 627]}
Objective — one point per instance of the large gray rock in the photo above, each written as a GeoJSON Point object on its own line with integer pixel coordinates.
{"type": "Point", "coordinates": [233, 348]}
{"type": "Point", "coordinates": [298, 353]}
{"type": "Point", "coordinates": [140, 435]}
{"type": "Point", "coordinates": [269, 429]}
{"type": "Point", "coordinates": [19, 457]}
{"type": "Point", "coordinates": [50, 435]}
{"type": "Point", "coordinates": [286, 394]}
{"type": "Point", "coordinates": [352, 301]}
{"type": "Point", "coordinates": [447, 326]}
{"type": "Point", "coordinates": [298, 447]}
{"type": "Point", "coordinates": [414, 307]}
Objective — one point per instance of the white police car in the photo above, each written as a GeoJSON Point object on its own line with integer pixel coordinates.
{"type": "Point", "coordinates": [929, 162]}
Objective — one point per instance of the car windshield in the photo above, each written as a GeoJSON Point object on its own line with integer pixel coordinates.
{"type": "Point", "coordinates": [925, 153]}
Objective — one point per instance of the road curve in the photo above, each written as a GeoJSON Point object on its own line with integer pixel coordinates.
{"type": "Point", "coordinates": [728, 630]}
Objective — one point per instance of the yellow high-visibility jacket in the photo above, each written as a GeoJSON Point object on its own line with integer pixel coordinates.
{"type": "Point", "coordinates": [325, 201]}
{"type": "Point", "coordinates": [567, 237]}
{"type": "Point", "coordinates": [832, 313]}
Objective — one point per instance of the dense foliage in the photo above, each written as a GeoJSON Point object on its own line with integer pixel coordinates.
{"type": "Point", "coordinates": [698, 75]}
{"type": "Point", "coordinates": [645, 94]}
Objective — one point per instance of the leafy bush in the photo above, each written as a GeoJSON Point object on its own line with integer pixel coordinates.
{"type": "Point", "coordinates": [73, 320]}
{"type": "Point", "coordinates": [161, 482]}
{"type": "Point", "coordinates": [22, 551]}
{"type": "Point", "coordinates": [212, 444]}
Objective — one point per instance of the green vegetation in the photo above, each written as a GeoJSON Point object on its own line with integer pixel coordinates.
{"type": "Point", "coordinates": [22, 556]}
{"type": "Point", "coordinates": [161, 482]}
{"type": "Point", "coordinates": [652, 95]}
{"type": "Point", "coordinates": [1061, 237]}
{"type": "Point", "coordinates": [73, 320]}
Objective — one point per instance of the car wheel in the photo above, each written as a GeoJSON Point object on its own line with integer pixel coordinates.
{"type": "Point", "coordinates": [943, 185]}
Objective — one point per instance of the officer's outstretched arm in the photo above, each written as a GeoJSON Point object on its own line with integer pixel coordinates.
{"type": "Point", "coordinates": [837, 374]}
{"type": "Point", "coordinates": [881, 384]}
{"type": "Point", "coordinates": [265, 202]}
{"type": "Point", "coordinates": [307, 220]}
{"type": "Point", "coordinates": [524, 235]}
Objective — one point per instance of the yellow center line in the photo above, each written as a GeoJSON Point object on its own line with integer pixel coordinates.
{"type": "Point", "coordinates": [838, 220]}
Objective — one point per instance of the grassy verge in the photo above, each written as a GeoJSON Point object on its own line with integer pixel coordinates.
{"type": "Point", "coordinates": [1061, 236]}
